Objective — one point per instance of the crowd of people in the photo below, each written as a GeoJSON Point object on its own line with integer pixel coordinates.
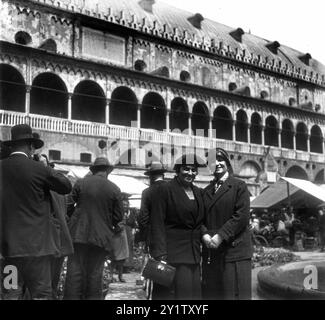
{"type": "Point", "coordinates": [203, 233]}
{"type": "Point", "coordinates": [290, 224]}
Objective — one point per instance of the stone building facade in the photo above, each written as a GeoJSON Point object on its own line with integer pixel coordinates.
{"type": "Point", "coordinates": [138, 80]}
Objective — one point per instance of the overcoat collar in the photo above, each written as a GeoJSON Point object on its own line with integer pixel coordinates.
{"type": "Point", "coordinates": [214, 196]}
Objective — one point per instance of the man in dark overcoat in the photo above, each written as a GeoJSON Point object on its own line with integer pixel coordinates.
{"type": "Point", "coordinates": [29, 232]}
{"type": "Point", "coordinates": [96, 216]}
{"type": "Point", "coordinates": [227, 249]}
{"type": "Point", "coordinates": [156, 178]}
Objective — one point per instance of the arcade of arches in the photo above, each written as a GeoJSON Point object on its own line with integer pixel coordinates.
{"type": "Point", "coordinates": [48, 95]}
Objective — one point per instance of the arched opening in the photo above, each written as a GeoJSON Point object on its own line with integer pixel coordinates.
{"type": "Point", "coordinates": [179, 114]}
{"type": "Point", "coordinates": [301, 137]}
{"type": "Point", "coordinates": [49, 96]}
{"type": "Point", "coordinates": [241, 126]}
{"type": "Point", "coordinates": [185, 76]}
{"type": "Point", "coordinates": [22, 37]}
{"type": "Point", "coordinates": [140, 65]}
{"type": "Point", "coordinates": [271, 131]}
{"type": "Point", "coordinates": [128, 158]}
{"type": "Point", "coordinates": [222, 123]}
{"type": "Point", "coordinates": [287, 134]}
{"type": "Point", "coordinates": [200, 119]}
{"type": "Point", "coordinates": [123, 107]}
{"type": "Point", "coordinates": [316, 140]}
{"type": "Point", "coordinates": [153, 112]}
{"type": "Point", "coordinates": [88, 102]}
{"type": "Point", "coordinates": [12, 89]}
{"type": "Point", "coordinates": [49, 45]}
{"type": "Point", "coordinates": [256, 128]}
{"type": "Point", "coordinates": [297, 173]}
{"type": "Point", "coordinates": [249, 170]}
{"type": "Point", "coordinates": [320, 177]}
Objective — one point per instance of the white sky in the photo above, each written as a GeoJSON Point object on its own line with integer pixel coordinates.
{"type": "Point", "coordinates": [299, 24]}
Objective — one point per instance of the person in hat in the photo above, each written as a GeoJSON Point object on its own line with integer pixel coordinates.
{"type": "Point", "coordinates": [98, 210]}
{"type": "Point", "coordinates": [121, 246]}
{"type": "Point", "coordinates": [175, 230]}
{"type": "Point", "coordinates": [29, 232]}
{"type": "Point", "coordinates": [227, 249]}
{"type": "Point", "coordinates": [156, 176]}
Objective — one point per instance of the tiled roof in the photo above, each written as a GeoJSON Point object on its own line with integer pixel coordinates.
{"type": "Point", "coordinates": [170, 22]}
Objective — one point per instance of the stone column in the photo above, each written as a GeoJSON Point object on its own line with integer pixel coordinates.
{"type": "Point", "coordinates": [107, 111]}
{"type": "Point", "coordinates": [190, 124]}
{"type": "Point", "coordinates": [70, 106]}
{"type": "Point", "coordinates": [249, 133]}
{"type": "Point", "coordinates": [263, 135]}
{"type": "Point", "coordinates": [294, 141]}
{"type": "Point", "coordinates": [167, 120]}
{"type": "Point", "coordinates": [139, 116]}
{"type": "Point", "coordinates": [308, 143]}
{"type": "Point", "coordinates": [210, 128]}
{"type": "Point", "coordinates": [279, 137]}
{"type": "Point", "coordinates": [27, 100]}
{"type": "Point", "coordinates": [234, 130]}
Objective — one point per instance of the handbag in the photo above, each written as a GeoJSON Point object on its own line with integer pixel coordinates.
{"type": "Point", "coordinates": [159, 272]}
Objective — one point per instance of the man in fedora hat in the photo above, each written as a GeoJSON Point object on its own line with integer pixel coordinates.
{"type": "Point", "coordinates": [156, 178]}
{"type": "Point", "coordinates": [92, 225]}
{"type": "Point", "coordinates": [29, 232]}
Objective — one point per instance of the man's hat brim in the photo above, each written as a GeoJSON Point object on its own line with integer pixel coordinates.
{"type": "Point", "coordinates": [38, 143]}
{"type": "Point", "coordinates": [154, 172]}
{"type": "Point", "coordinates": [109, 167]}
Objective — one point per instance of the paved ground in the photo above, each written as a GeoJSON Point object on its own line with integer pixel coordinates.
{"type": "Point", "coordinates": [131, 290]}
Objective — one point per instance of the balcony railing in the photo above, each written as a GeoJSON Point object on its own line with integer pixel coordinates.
{"type": "Point", "coordinates": [41, 122]}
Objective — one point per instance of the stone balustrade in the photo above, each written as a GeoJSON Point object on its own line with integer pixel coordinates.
{"type": "Point", "coordinates": [41, 122]}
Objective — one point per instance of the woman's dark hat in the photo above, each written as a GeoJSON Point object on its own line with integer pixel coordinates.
{"type": "Point", "coordinates": [101, 162]}
{"type": "Point", "coordinates": [23, 132]}
{"type": "Point", "coordinates": [156, 167]}
{"type": "Point", "coordinates": [189, 160]}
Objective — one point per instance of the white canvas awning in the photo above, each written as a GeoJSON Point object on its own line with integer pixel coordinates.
{"type": "Point", "coordinates": [289, 191]}
{"type": "Point", "coordinates": [307, 186]}
{"type": "Point", "coordinates": [129, 185]}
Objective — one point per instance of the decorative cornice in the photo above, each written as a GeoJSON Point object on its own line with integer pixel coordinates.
{"type": "Point", "coordinates": [203, 43]}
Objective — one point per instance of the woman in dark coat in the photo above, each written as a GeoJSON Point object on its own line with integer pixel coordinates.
{"type": "Point", "coordinates": [175, 232]}
{"type": "Point", "coordinates": [227, 249]}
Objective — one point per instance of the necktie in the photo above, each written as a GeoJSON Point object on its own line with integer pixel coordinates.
{"type": "Point", "coordinates": [218, 185]}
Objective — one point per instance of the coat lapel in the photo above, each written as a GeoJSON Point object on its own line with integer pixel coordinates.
{"type": "Point", "coordinates": [221, 191]}
{"type": "Point", "coordinates": [200, 207]}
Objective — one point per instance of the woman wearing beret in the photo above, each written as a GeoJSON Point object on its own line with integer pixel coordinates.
{"type": "Point", "coordinates": [175, 232]}
{"type": "Point", "coordinates": [227, 249]}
